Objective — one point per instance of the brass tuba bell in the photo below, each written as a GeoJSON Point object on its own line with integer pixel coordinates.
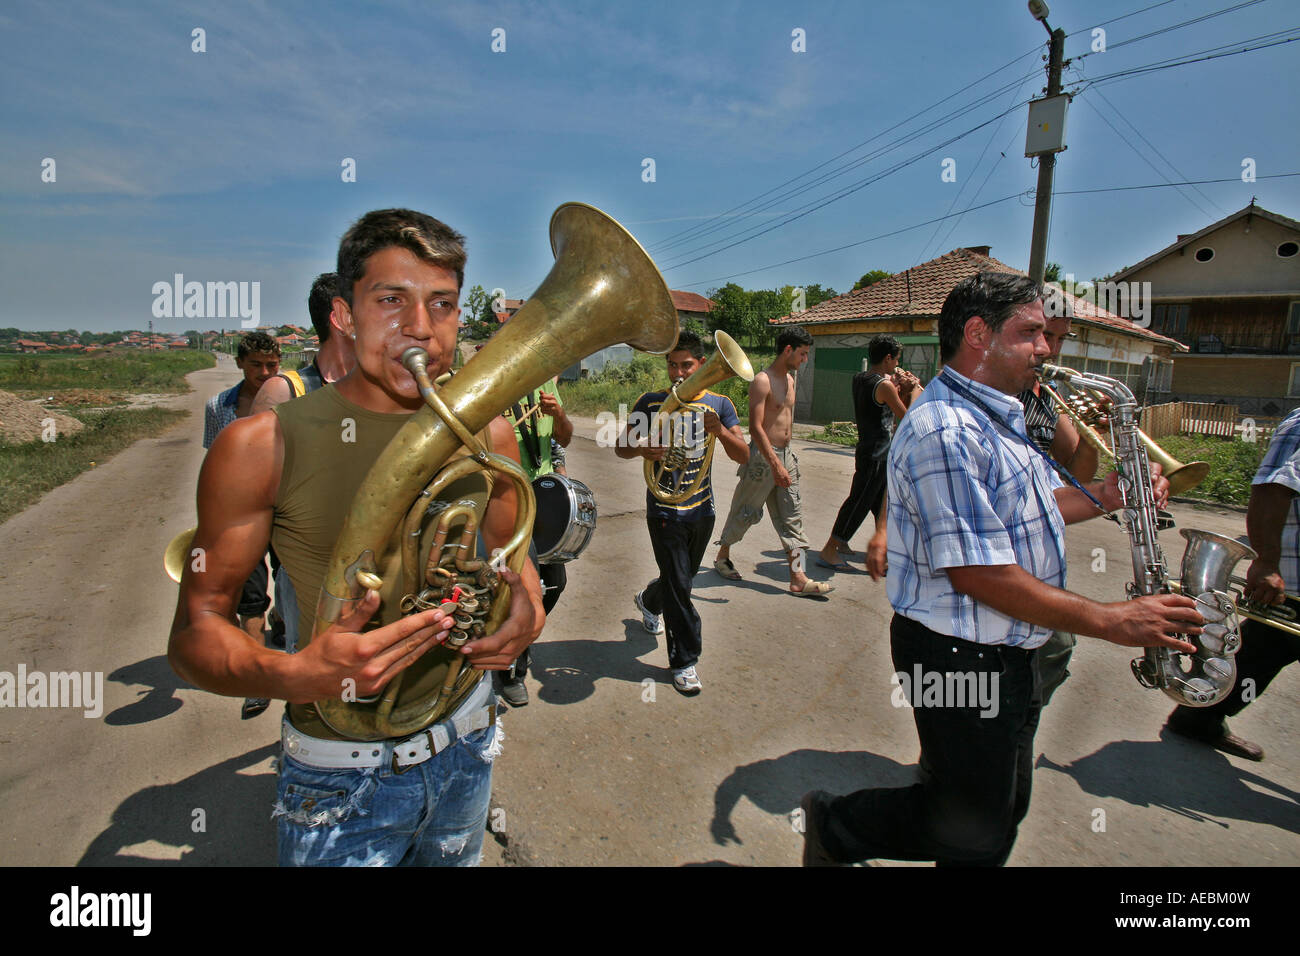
{"type": "Point", "coordinates": [727, 361]}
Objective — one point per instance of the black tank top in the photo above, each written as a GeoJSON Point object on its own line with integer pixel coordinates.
{"type": "Point", "coordinates": [875, 421]}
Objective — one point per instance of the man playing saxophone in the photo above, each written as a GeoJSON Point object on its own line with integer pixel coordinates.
{"type": "Point", "coordinates": [1054, 433]}
{"type": "Point", "coordinates": [977, 555]}
{"type": "Point", "coordinates": [288, 477]}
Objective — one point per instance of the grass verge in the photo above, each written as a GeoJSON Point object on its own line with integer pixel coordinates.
{"type": "Point", "coordinates": [132, 371]}
{"type": "Point", "coordinates": [29, 470]}
{"type": "Point", "coordinates": [1233, 464]}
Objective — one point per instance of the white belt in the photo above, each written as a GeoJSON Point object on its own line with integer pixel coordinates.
{"type": "Point", "coordinates": [400, 754]}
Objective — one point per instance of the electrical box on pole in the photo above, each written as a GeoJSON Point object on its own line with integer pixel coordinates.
{"type": "Point", "coordinates": [1046, 133]}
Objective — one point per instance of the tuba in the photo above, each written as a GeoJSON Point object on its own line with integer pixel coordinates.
{"type": "Point", "coordinates": [727, 361]}
{"type": "Point", "coordinates": [1206, 676]}
{"type": "Point", "coordinates": [603, 289]}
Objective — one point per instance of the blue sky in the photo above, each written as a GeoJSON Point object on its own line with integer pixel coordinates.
{"type": "Point", "coordinates": [225, 165]}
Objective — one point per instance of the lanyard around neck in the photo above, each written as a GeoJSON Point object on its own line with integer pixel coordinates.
{"type": "Point", "coordinates": [970, 396]}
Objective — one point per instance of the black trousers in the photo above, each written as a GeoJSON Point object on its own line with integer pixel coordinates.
{"type": "Point", "coordinates": [679, 547]}
{"type": "Point", "coordinates": [976, 771]}
{"type": "Point", "coordinates": [866, 494]}
{"type": "Point", "coordinates": [554, 578]}
{"type": "Point", "coordinates": [1265, 650]}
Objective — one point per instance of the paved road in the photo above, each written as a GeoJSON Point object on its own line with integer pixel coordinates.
{"type": "Point", "coordinates": [608, 764]}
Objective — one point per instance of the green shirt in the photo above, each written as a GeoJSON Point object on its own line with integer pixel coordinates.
{"type": "Point", "coordinates": [534, 435]}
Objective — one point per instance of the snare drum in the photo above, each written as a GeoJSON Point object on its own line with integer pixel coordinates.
{"type": "Point", "coordinates": [566, 518]}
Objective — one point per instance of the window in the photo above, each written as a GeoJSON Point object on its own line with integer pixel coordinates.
{"type": "Point", "coordinates": [1170, 319]}
{"type": "Point", "coordinates": [1287, 250]}
{"type": "Point", "coordinates": [1294, 389]}
{"type": "Point", "coordinates": [1293, 319]}
{"type": "Point", "coordinates": [1204, 254]}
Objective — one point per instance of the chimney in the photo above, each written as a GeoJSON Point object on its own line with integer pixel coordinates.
{"type": "Point", "coordinates": [982, 250]}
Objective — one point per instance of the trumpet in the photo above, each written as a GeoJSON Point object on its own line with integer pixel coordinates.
{"type": "Point", "coordinates": [729, 360]}
{"type": "Point", "coordinates": [1181, 477]}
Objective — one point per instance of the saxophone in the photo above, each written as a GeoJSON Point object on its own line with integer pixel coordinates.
{"type": "Point", "coordinates": [1208, 675]}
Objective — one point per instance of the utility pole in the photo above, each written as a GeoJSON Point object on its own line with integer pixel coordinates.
{"type": "Point", "coordinates": [1046, 161]}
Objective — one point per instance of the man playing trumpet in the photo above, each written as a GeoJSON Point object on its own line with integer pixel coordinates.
{"type": "Point", "coordinates": [679, 533]}
{"type": "Point", "coordinates": [881, 396]}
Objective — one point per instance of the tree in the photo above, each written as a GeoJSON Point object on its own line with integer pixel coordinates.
{"type": "Point", "coordinates": [871, 278]}
{"type": "Point", "coordinates": [480, 321]}
{"type": "Point", "coordinates": [815, 295]}
{"type": "Point", "coordinates": [1052, 273]}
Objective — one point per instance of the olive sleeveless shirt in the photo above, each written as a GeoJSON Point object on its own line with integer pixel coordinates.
{"type": "Point", "coordinates": [330, 445]}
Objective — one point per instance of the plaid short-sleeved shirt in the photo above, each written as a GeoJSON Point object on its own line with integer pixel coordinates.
{"type": "Point", "coordinates": [219, 412]}
{"type": "Point", "coordinates": [963, 492]}
{"type": "Point", "coordinates": [1281, 466]}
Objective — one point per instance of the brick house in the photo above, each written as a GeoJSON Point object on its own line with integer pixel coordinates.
{"type": "Point", "coordinates": [907, 306]}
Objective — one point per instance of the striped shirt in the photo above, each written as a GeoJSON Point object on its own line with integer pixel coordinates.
{"type": "Point", "coordinates": [1281, 466]}
{"type": "Point", "coordinates": [687, 432]}
{"type": "Point", "coordinates": [1040, 418]}
{"type": "Point", "coordinates": [964, 492]}
{"type": "Point", "coordinates": [219, 412]}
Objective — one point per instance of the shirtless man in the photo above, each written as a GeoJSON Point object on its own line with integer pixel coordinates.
{"type": "Point", "coordinates": [771, 476]}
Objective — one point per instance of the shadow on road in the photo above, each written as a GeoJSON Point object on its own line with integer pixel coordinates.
{"type": "Point", "coordinates": [1187, 778]}
{"type": "Point", "coordinates": [156, 826]}
{"type": "Point", "coordinates": [843, 451]}
{"type": "Point", "coordinates": [568, 670]}
{"type": "Point", "coordinates": [157, 702]}
{"type": "Point", "coordinates": [776, 785]}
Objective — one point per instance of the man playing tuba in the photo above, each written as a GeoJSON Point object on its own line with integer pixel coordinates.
{"type": "Point", "coordinates": [288, 477]}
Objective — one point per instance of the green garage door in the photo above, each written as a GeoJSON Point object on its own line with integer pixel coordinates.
{"type": "Point", "coordinates": [833, 371]}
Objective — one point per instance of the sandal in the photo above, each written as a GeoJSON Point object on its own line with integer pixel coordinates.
{"type": "Point", "coordinates": [725, 568]}
{"type": "Point", "coordinates": [814, 589]}
{"type": "Point", "coordinates": [841, 566]}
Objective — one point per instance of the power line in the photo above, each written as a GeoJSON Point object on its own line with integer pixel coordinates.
{"type": "Point", "coordinates": [1193, 182]}
{"type": "Point", "coordinates": [994, 202]}
{"type": "Point", "coordinates": [1127, 142]}
{"type": "Point", "coordinates": [848, 190]}
{"type": "Point", "coordinates": [676, 237]}
{"type": "Point", "coordinates": [979, 162]}
{"type": "Point", "coordinates": [957, 221]}
{"type": "Point", "coordinates": [705, 228]}
{"type": "Point", "coordinates": [1167, 161]}
{"type": "Point", "coordinates": [850, 245]}
{"type": "Point", "coordinates": [1125, 16]}
{"type": "Point", "coordinates": [1181, 61]}
{"type": "Point", "coordinates": [1177, 26]}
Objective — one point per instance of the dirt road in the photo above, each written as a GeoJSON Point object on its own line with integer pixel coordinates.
{"type": "Point", "coordinates": [608, 764]}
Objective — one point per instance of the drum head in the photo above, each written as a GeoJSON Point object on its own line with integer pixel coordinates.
{"type": "Point", "coordinates": [553, 513]}
{"type": "Point", "coordinates": [566, 518]}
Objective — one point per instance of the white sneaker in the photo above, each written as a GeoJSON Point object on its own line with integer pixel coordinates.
{"type": "Point", "coordinates": [650, 622]}
{"type": "Point", "coordinates": [686, 682]}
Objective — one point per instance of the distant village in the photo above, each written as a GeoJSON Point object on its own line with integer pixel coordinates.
{"type": "Point", "coordinates": [290, 337]}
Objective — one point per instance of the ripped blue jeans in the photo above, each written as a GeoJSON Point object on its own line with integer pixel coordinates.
{"type": "Point", "coordinates": [433, 814]}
